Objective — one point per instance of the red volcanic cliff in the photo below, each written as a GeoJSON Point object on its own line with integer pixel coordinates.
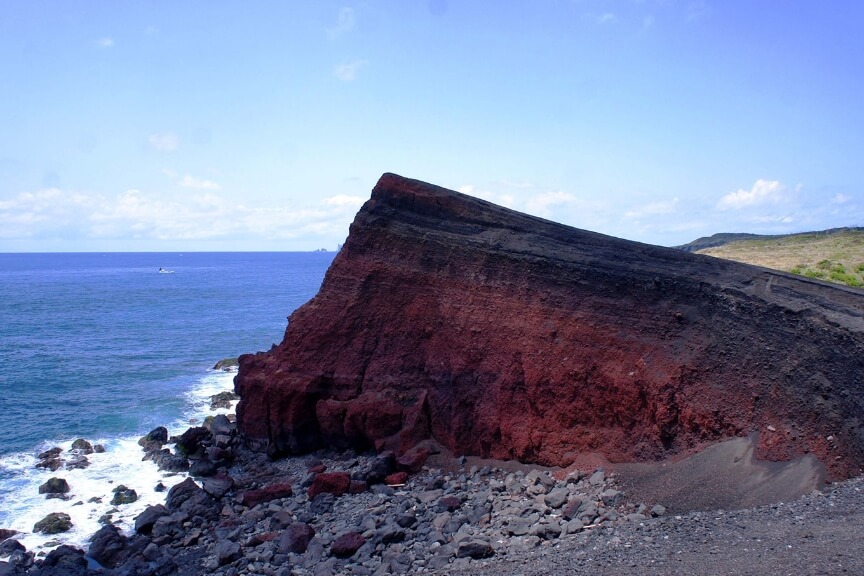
{"type": "Point", "coordinates": [508, 336]}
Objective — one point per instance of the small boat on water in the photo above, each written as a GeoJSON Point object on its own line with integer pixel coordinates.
{"type": "Point", "coordinates": [165, 271]}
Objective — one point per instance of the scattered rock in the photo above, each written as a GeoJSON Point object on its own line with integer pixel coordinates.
{"type": "Point", "coordinates": [336, 483]}
{"type": "Point", "coordinates": [219, 485]}
{"type": "Point", "coordinates": [82, 446]}
{"type": "Point", "coordinates": [77, 463]}
{"type": "Point", "coordinates": [227, 551]}
{"type": "Point", "coordinates": [226, 364]}
{"type": "Point", "coordinates": [158, 434]}
{"type": "Point", "coordinates": [53, 523]}
{"type": "Point", "coordinates": [295, 538]}
{"type": "Point", "coordinates": [412, 461]}
{"type": "Point", "coordinates": [223, 400]}
{"type": "Point", "coordinates": [186, 495]}
{"type": "Point", "coordinates": [50, 459]}
{"type": "Point", "coordinates": [347, 544]}
{"type": "Point", "coordinates": [66, 561]}
{"type": "Point", "coordinates": [123, 495]}
{"type": "Point", "coordinates": [54, 486]}
{"type": "Point", "coordinates": [252, 498]}
{"type": "Point", "coordinates": [202, 467]}
{"type": "Point", "coordinates": [145, 521]}
{"type": "Point", "coordinates": [108, 546]}
{"type": "Point", "coordinates": [396, 479]}
{"type": "Point", "coordinates": [190, 443]}
{"type": "Point", "coordinates": [474, 549]}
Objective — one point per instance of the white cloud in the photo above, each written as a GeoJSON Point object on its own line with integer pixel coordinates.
{"type": "Point", "coordinates": [198, 183]}
{"type": "Point", "coordinates": [28, 213]}
{"type": "Point", "coordinates": [762, 192]}
{"type": "Point", "coordinates": [773, 219]}
{"type": "Point", "coordinates": [136, 214]}
{"type": "Point", "coordinates": [348, 72]}
{"type": "Point", "coordinates": [840, 198]}
{"type": "Point", "coordinates": [344, 23]}
{"type": "Point", "coordinates": [105, 42]}
{"type": "Point", "coordinates": [345, 200]}
{"type": "Point", "coordinates": [607, 18]}
{"type": "Point", "coordinates": [165, 142]}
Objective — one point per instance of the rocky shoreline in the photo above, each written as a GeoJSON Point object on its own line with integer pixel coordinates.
{"type": "Point", "coordinates": [327, 512]}
{"type": "Point", "coordinates": [427, 512]}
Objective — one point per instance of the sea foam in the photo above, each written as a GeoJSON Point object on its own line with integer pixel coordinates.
{"type": "Point", "coordinates": [89, 498]}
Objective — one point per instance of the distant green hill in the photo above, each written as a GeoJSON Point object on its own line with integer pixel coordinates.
{"type": "Point", "coordinates": [835, 255]}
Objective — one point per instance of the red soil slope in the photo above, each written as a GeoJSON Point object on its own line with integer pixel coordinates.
{"type": "Point", "coordinates": [507, 336]}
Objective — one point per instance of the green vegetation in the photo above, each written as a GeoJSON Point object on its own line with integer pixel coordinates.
{"type": "Point", "coordinates": [833, 255]}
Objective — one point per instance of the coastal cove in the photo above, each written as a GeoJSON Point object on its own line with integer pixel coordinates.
{"type": "Point", "coordinates": [103, 347]}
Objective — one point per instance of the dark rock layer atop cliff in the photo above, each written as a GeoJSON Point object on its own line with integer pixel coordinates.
{"type": "Point", "coordinates": [508, 336]}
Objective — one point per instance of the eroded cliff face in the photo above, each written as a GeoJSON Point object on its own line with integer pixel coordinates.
{"type": "Point", "coordinates": [507, 336]}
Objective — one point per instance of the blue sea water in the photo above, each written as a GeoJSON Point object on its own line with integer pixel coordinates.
{"type": "Point", "coordinates": [104, 347]}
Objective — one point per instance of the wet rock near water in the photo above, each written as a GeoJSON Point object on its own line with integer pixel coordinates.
{"type": "Point", "coordinates": [123, 495]}
{"type": "Point", "coordinates": [226, 364]}
{"type": "Point", "coordinates": [82, 446]}
{"type": "Point", "coordinates": [50, 459]}
{"type": "Point", "coordinates": [53, 523]}
{"type": "Point", "coordinates": [223, 400]}
{"type": "Point", "coordinates": [54, 486]}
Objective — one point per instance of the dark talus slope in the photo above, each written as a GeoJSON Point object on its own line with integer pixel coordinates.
{"type": "Point", "coordinates": [508, 336]}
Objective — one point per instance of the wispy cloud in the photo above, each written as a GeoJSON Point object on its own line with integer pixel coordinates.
{"type": "Point", "coordinates": [345, 200]}
{"type": "Point", "coordinates": [647, 23]}
{"type": "Point", "coordinates": [344, 23]}
{"type": "Point", "coordinates": [105, 42]}
{"type": "Point", "coordinates": [762, 192]}
{"type": "Point", "coordinates": [165, 142]}
{"type": "Point", "coordinates": [607, 18]}
{"type": "Point", "coordinates": [696, 10]}
{"type": "Point", "coordinates": [198, 183]}
{"type": "Point", "coordinates": [348, 72]}
{"type": "Point", "coordinates": [652, 209]}
{"type": "Point", "coordinates": [542, 204]}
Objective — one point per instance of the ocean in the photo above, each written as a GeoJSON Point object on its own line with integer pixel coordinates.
{"type": "Point", "coordinates": [105, 347]}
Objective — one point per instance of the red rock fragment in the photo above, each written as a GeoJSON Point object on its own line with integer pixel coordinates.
{"type": "Point", "coordinates": [397, 478]}
{"type": "Point", "coordinates": [413, 460]}
{"type": "Point", "coordinates": [336, 483]}
{"type": "Point", "coordinates": [252, 498]}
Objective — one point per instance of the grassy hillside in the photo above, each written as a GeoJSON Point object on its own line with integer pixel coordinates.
{"type": "Point", "coordinates": [833, 255]}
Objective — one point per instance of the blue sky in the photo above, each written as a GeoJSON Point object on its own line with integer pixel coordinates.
{"type": "Point", "coordinates": [181, 126]}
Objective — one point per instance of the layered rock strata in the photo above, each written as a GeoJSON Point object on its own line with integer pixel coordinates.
{"type": "Point", "coordinates": [508, 336]}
